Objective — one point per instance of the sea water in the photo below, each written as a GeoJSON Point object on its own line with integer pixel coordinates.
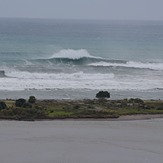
{"type": "Point", "coordinates": [81, 56]}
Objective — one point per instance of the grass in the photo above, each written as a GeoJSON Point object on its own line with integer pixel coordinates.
{"type": "Point", "coordinates": [59, 114]}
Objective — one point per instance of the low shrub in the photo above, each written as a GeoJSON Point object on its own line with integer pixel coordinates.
{"type": "Point", "coordinates": [103, 94]}
{"type": "Point", "coordinates": [32, 99]}
{"type": "Point", "coordinates": [20, 102]}
{"type": "Point", "coordinates": [136, 100]}
{"type": "Point", "coordinates": [29, 113]}
{"type": "Point", "coordinates": [3, 105]}
{"type": "Point", "coordinates": [27, 105]}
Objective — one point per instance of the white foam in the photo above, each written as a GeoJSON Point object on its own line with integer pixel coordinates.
{"type": "Point", "coordinates": [28, 63]}
{"type": "Point", "coordinates": [131, 64]}
{"type": "Point", "coordinates": [74, 76]}
{"type": "Point", "coordinates": [73, 54]}
{"type": "Point", "coordinates": [22, 80]}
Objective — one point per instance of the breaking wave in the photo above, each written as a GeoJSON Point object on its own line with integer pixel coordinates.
{"type": "Point", "coordinates": [130, 64]}
{"type": "Point", "coordinates": [79, 80]}
{"type": "Point", "coordinates": [89, 72]}
{"type": "Point", "coordinates": [74, 57]}
{"type": "Point", "coordinates": [22, 80]}
{"type": "Point", "coordinates": [73, 54]}
{"type": "Point", "coordinates": [82, 57]}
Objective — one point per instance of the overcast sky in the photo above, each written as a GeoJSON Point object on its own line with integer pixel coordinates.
{"type": "Point", "coordinates": [83, 9]}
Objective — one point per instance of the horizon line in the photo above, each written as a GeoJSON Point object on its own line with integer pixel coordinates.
{"type": "Point", "coordinates": [98, 19]}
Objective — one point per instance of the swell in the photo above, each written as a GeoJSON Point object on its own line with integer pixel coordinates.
{"type": "Point", "coordinates": [74, 57]}
{"type": "Point", "coordinates": [84, 61]}
{"type": "Point", "coordinates": [129, 65]}
{"type": "Point", "coordinates": [100, 62]}
{"type": "Point", "coordinates": [81, 57]}
{"type": "Point", "coordinates": [79, 61]}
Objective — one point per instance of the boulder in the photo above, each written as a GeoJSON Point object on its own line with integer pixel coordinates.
{"type": "Point", "coordinates": [2, 74]}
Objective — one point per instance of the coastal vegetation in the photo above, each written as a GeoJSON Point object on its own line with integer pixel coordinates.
{"type": "Point", "coordinates": [32, 109]}
{"type": "Point", "coordinates": [103, 94]}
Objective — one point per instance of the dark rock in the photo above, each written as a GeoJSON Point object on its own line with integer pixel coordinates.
{"type": "Point", "coordinates": [2, 74]}
{"type": "Point", "coordinates": [103, 94]}
{"type": "Point", "coordinates": [3, 105]}
{"type": "Point", "coordinates": [20, 102]}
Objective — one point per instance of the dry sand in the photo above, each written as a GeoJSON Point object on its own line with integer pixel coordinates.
{"type": "Point", "coordinates": [139, 141]}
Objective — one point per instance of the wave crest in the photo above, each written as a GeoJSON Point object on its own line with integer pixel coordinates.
{"type": "Point", "coordinates": [130, 64]}
{"type": "Point", "coordinates": [72, 54]}
{"type": "Point", "coordinates": [74, 57]}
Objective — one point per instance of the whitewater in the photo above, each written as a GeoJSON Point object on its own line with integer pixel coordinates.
{"type": "Point", "coordinates": [81, 56]}
{"type": "Point", "coordinates": [77, 69]}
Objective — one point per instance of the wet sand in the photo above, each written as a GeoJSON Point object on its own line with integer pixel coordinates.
{"type": "Point", "coordinates": [139, 141]}
{"type": "Point", "coordinates": [139, 117]}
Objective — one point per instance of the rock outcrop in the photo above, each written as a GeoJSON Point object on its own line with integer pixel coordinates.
{"type": "Point", "coordinates": [2, 74]}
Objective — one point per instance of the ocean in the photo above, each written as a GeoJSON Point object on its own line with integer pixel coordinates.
{"type": "Point", "coordinates": [77, 58]}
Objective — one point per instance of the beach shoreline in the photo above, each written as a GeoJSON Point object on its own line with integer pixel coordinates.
{"type": "Point", "coordinates": [140, 117]}
{"type": "Point", "coordinates": [79, 94]}
{"type": "Point", "coordinates": [135, 117]}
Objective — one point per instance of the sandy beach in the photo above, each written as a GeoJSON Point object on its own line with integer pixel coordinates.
{"type": "Point", "coordinates": [139, 117]}
{"type": "Point", "coordinates": [81, 141]}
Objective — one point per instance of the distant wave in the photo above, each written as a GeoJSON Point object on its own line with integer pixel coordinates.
{"type": "Point", "coordinates": [74, 57]}
{"type": "Point", "coordinates": [81, 57]}
{"type": "Point", "coordinates": [73, 54]}
{"type": "Point", "coordinates": [131, 64]}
